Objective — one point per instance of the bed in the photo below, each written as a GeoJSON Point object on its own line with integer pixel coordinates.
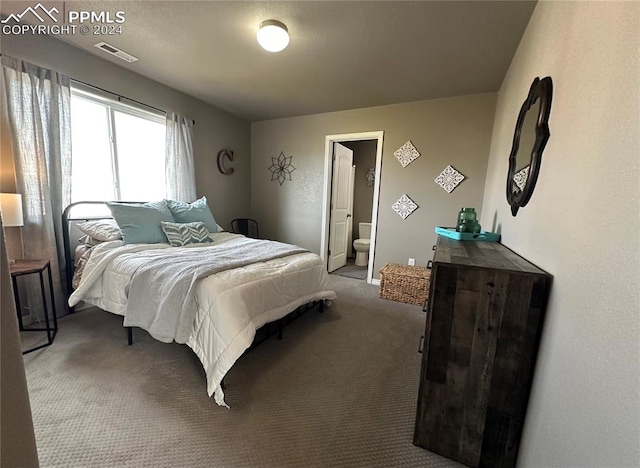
{"type": "Point", "coordinates": [212, 296]}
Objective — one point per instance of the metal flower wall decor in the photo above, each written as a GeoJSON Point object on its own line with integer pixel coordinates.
{"type": "Point", "coordinates": [281, 168]}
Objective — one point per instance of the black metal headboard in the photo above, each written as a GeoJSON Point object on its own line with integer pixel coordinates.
{"type": "Point", "coordinates": [67, 219]}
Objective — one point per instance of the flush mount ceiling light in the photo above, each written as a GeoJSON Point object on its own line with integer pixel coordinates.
{"type": "Point", "coordinates": [273, 36]}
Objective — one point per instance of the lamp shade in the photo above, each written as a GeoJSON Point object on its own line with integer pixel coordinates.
{"type": "Point", "coordinates": [273, 36]}
{"type": "Point", "coordinates": [11, 208]}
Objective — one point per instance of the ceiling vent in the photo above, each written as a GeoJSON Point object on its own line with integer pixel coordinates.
{"type": "Point", "coordinates": [117, 52]}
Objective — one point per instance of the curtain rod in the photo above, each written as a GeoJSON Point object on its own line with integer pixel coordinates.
{"type": "Point", "coordinates": [117, 95]}
{"type": "Point", "coordinates": [121, 97]}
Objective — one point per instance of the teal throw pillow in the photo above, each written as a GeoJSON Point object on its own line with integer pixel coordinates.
{"type": "Point", "coordinates": [140, 223]}
{"type": "Point", "coordinates": [193, 212]}
{"type": "Point", "coordinates": [180, 234]}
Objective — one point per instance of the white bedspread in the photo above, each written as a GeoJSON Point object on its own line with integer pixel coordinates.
{"type": "Point", "coordinates": [231, 305]}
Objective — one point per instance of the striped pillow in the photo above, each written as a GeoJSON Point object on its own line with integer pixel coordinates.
{"type": "Point", "coordinates": [180, 234]}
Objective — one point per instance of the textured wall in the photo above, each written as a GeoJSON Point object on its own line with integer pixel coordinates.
{"type": "Point", "coordinates": [17, 439]}
{"type": "Point", "coordinates": [228, 196]}
{"type": "Point", "coordinates": [581, 225]}
{"type": "Point", "coordinates": [454, 131]}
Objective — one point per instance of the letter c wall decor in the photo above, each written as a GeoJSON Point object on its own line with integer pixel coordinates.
{"type": "Point", "coordinates": [221, 155]}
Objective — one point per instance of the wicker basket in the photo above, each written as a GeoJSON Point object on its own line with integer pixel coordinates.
{"type": "Point", "coordinates": [404, 283]}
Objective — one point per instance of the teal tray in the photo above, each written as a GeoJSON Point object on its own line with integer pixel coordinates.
{"type": "Point", "coordinates": [453, 234]}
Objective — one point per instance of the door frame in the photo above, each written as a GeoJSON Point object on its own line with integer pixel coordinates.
{"type": "Point", "coordinates": [328, 176]}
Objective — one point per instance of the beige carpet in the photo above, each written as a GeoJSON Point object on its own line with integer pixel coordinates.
{"type": "Point", "coordinates": [339, 390]}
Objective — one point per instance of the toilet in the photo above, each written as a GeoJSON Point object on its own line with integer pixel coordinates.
{"type": "Point", "coordinates": [361, 246]}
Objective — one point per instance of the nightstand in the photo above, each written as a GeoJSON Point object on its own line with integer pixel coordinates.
{"type": "Point", "coordinates": [28, 267]}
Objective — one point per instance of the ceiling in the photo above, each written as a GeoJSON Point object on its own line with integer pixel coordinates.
{"type": "Point", "coordinates": [342, 55]}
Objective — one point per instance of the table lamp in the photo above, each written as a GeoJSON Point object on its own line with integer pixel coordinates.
{"type": "Point", "coordinates": [11, 209]}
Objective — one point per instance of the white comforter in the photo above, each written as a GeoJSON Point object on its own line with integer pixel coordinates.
{"type": "Point", "coordinates": [231, 305]}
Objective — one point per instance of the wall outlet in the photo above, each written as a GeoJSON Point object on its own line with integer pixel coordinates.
{"type": "Point", "coordinates": [412, 262]}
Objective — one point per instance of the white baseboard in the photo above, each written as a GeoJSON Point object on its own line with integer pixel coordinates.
{"type": "Point", "coordinates": [375, 281]}
{"type": "Point", "coordinates": [27, 319]}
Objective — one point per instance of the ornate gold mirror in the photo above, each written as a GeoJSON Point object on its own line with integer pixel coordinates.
{"type": "Point", "coordinates": [529, 140]}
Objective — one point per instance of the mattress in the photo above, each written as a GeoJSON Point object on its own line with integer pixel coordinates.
{"type": "Point", "coordinates": [231, 304]}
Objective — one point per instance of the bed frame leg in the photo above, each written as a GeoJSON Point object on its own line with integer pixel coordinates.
{"type": "Point", "coordinates": [280, 327]}
{"type": "Point", "coordinates": [129, 335]}
{"type": "Point", "coordinates": [321, 306]}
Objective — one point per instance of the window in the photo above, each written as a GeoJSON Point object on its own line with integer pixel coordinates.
{"type": "Point", "coordinates": [118, 150]}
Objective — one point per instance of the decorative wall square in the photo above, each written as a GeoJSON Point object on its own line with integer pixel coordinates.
{"type": "Point", "coordinates": [520, 177]}
{"type": "Point", "coordinates": [449, 179]}
{"type": "Point", "coordinates": [406, 154]}
{"type": "Point", "coordinates": [404, 206]}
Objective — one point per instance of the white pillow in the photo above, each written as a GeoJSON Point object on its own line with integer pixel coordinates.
{"type": "Point", "coordinates": [103, 230]}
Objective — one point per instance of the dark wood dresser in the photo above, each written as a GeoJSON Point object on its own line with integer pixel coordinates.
{"type": "Point", "coordinates": [484, 319]}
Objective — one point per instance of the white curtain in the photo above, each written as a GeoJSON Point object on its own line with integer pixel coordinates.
{"type": "Point", "coordinates": [39, 111]}
{"type": "Point", "coordinates": [180, 172]}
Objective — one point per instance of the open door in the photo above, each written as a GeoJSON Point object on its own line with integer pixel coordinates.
{"type": "Point", "coordinates": [341, 198]}
{"type": "Point", "coordinates": [327, 195]}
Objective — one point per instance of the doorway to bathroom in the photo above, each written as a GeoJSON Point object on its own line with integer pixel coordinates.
{"type": "Point", "coordinates": [351, 188]}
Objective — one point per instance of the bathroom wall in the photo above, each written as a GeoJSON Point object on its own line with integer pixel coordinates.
{"type": "Point", "coordinates": [364, 158]}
